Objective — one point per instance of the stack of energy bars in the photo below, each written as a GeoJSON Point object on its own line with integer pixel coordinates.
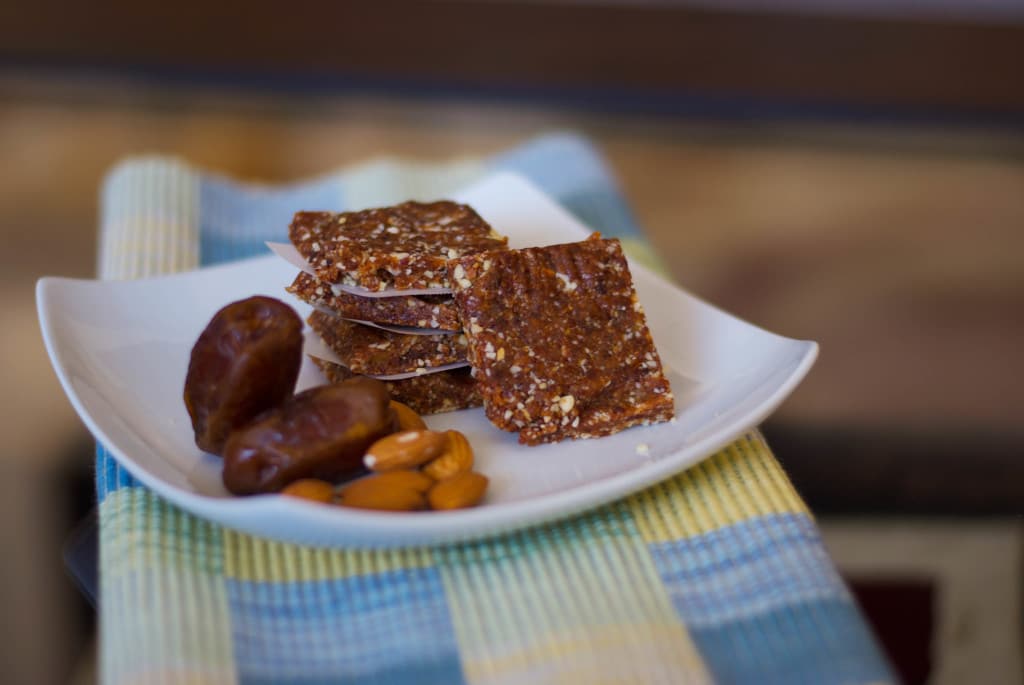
{"type": "Point", "coordinates": [382, 295]}
{"type": "Point", "coordinates": [428, 298]}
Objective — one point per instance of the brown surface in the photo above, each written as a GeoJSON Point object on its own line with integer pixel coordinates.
{"type": "Point", "coordinates": [902, 471]}
{"type": "Point", "coordinates": [405, 246]}
{"type": "Point", "coordinates": [376, 352]}
{"type": "Point", "coordinates": [434, 393]}
{"type": "Point", "coordinates": [429, 311]}
{"type": "Point", "coordinates": [900, 608]}
{"type": "Point", "coordinates": [558, 341]}
{"type": "Point", "coordinates": [662, 48]}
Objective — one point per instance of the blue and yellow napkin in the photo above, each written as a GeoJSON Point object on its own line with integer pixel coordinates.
{"type": "Point", "coordinates": [715, 575]}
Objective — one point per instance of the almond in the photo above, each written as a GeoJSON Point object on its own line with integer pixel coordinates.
{"type": "Point", "coordinates": [456, 458]}
{"type": "Point", "coordinates": [458, 492]}
{"type": "Point", "coordinates": [311, 489]}
{"type": "Point", "coordinates": [407, 418]}
{"type": "Point", "coordinates": [404, 450]}
{"type": "Point", "coordinates": [395, 491]}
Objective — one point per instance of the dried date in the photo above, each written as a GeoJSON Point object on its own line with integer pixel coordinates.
{"type": "Point", "coordinates": [245, 362]}
{"type": "Point", "coordinates": [320, 433]}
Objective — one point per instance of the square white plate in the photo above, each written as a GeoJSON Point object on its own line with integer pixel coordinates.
{"type": "Point", "coordinates": [121, 349]}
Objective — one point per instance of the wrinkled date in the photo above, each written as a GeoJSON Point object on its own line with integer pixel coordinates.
{"type": "Point", "coordinates": [320, 433]}
{"type": "Point", "coordinates": [245, 362]}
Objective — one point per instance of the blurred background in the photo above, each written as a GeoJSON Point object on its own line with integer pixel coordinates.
{"type": "Point", "coordinates": [849, 171]}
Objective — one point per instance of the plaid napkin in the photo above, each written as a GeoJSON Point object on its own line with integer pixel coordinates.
{"type": "Point", "coordinates": [716, 575]}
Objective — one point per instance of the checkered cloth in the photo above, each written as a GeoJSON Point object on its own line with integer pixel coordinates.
{"type": "Point", "coordinates": [716, 575]}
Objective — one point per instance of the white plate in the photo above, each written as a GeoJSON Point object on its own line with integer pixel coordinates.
{"type": "Point", "coordinates": [121, 350]}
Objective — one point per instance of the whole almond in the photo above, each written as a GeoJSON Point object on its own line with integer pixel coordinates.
{"type": "Point", "coordinates": [456, 458]}
{"type": "Point", "coordinates": [311, 489]}
{"type": "Point", "coordinates": [408, 419]}
{"type": "Point", "coordinates": [395, 491]}
{"type": "Point", "coordinates": [458, 492]}
{"type": "Point", "coordinates": [404, 450]}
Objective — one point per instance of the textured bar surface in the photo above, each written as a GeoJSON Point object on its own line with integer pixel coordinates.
{"type": "Point", "coordinates": [376, 352]}
{"type": "Point", "coordinates": [558, 341]}
{"type": "Point", "coordinates": [422, 311]}
{"type": "Point", "coordinates": [433, 393]}
{"type": "Point", "coordinates": [404, 246]}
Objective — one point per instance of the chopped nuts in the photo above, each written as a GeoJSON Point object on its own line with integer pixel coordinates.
{"type": "Point", "coordinates": [566, 403]}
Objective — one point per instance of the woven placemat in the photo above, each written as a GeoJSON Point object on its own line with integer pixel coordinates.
{"type": "Point", "coordinates": [717, 574]}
